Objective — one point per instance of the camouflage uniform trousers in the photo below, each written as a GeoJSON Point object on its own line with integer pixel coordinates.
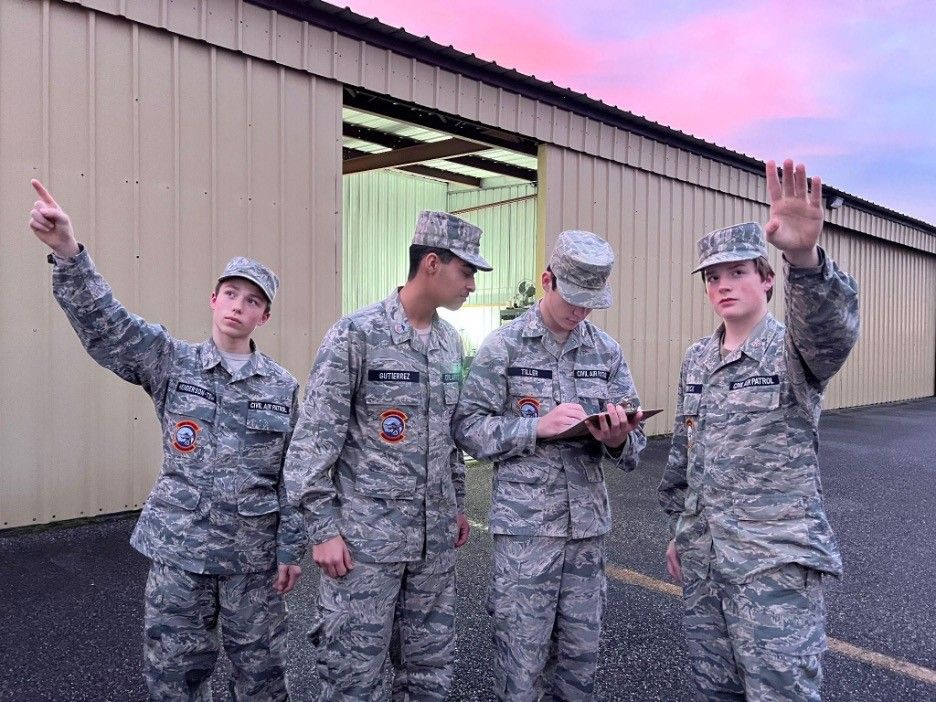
{"type": "Point", "coordinates": [180, 642]}
{"type": "Point", "coordinates": [405, 608]}
{"type": "Point", "coordinates": [547, 598]}
{"type": "Point", "coordinates": [760, 641]}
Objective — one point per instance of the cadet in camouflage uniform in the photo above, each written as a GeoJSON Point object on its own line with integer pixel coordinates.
{"type": "Point", "coordinates": [532, 379]}
{"type": "Point", "coordinates": [224, 544]}
{"type": "Point", "coordinates": [380, 481]}
{"type": "Point", "coordinates": [741, 488]}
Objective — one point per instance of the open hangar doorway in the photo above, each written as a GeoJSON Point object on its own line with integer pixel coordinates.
{"type": "Point", "coordinates": [398, 160]}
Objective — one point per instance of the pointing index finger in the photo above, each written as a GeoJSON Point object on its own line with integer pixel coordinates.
{"type": "Point", "coordinates": [44, 194]}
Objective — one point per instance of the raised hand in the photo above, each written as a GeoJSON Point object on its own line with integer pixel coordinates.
{"type": "Point", "coordinates": [795, 213]}
{"type": "Point", "coordinates": [51, 225]}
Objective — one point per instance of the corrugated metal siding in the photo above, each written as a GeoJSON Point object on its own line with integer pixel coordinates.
{"type": "Point", "coordinates": [171, 156]}
{"type": "Point", "coordinates": [380, 210]}
{"type": "Point", "coordinates": [237, 25]}
{"type": "Point", "coordinates": [896, 356]}
{"type": "Point", "coordinates": [653, 222]}
{"type": "Point", "coordinates": [509, 238]}
{"type": "Point", "coordinates": [508, 243]}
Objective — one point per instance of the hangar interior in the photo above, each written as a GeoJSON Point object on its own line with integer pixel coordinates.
{"type": "Point", "coordinates": [392, 170]}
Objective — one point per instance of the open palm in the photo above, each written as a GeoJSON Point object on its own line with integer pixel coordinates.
{"type": "Point", "coordinates": [795, 209]}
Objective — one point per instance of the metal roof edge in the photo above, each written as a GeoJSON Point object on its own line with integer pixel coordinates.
{"type": "Point", "coordinates": [371, 30]}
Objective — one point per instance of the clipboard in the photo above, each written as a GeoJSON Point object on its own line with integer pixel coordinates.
{"type": "Point", "coordinates": [580, 430]}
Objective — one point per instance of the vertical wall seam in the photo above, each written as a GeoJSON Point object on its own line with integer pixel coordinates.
{"type": "Point", "coordinates": [248, 111]}
{"type": "Point", "coordinates": [213, 154]}
{"type": "Point", "coordinates": [176, 105]}
{"type": "Point", "coordinates": [46, 97]}
{"type": "Point", "coordinates": [90, 169]}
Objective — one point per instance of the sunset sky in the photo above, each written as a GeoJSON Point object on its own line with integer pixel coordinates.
{"type": "Point", "coordinates": [846, 87]}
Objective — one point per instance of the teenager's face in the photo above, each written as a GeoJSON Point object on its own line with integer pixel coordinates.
{"type": "Point", "coordinates": [736, 291]}
{"type": "Point", "coordinates": [559, 315]}
{"type": "Point", "coordinates": [454, 282]}
{"type": "Point", "coordinates": [238, 308]}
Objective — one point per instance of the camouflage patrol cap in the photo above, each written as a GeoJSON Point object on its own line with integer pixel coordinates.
{"type": "Point", "coordinates": [741, 242]}
{"type": "Point", "coordinates": [255, 272]}
{"type": "Point", "coordinates": [582, 263]}
{"type": "Point", "coordinates": [446, 231]}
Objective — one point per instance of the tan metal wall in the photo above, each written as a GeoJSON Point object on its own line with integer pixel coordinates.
{"type": "Point", "coordinates": [171, 156]}
{"type": "Point", "coordinates": [659, 309]}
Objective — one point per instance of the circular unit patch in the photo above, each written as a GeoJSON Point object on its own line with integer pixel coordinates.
{"type": "Point", "coordinates": [393, 425]}
{"type": "Point", "coordinates": [529, 407]}
{"type": "Point", "coordinates": [185, 438]}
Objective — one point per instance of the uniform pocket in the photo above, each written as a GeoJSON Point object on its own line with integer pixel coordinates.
{"type": "Point", "coordinates": [256, 503]}
{"type": "Point", "coordinates": [530, 472]}
{"type": "Point", "coordinates": [175, 492]}
{"type": "Point", "coordinates": [753, 400]}
{"type": "Point", "coordinates": [592, 394]}
{"type": "Point", "coordinates": [690, 404]}
{"type": "Point", "coordinates": [765, 509]}
{"type": "Point", "coordinates": [451, 391]}
{"type": "Point", "coordinates": [394, 487]}
{"type": "Point", "coordinates": [188, 419]}
{"type": "Point", "coordinates": [530, 397]}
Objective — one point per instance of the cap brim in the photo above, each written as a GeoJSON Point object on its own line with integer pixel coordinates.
{"type": "Point", "coordinates": [728, 257]}
{"type": "Point", "coordinates": [584, 297]}
{"type": "Point", "coordinates": [474, 259]}
{"type": "Point", "coordinates": [253, 280]}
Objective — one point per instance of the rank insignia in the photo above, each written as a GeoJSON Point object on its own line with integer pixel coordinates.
{"type": "Point", "coordinates": [186, 435]}
{"type": "Point", "coordinates": [529, 407]}
{"type": "Point", "coordinates": [393, 425]}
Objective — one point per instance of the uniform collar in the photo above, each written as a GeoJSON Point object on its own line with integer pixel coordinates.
{"type": "Point", "coordinates": [400, 328]}
{"type": "Point", "coordinates": [257, 364]}
{"type": "Point", "coordinates": [534, 326]}
{"type": "Point", "coordinates": [753, 347]}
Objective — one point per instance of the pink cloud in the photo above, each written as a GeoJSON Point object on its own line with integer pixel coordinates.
{"type": "Point", "coordinates": [719, 72]}
{"type": "Point", "coordinates": [515, 34]}
{"type": "Point", "coordinates": [711, 75]}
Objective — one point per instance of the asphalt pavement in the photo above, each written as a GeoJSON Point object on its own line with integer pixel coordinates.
{"type": "Point", "coordinates": [71, 615]}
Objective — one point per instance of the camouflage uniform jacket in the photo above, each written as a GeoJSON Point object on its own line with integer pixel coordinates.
{"type": "Point", "coordinates": [544, 488]}
{"type": "Point", "coordinates": [219, 504]}
{"type": "Point", "coordinates": [372, 458]}
{"type": "Point", "coordinates": [743, 462]}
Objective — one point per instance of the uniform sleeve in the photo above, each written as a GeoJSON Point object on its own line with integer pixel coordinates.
{"type": "Point", "coordinates": [479, 424]}
{"type": "Point", "coordinates": [291, 536]}
{"type": "Point", "coordinates": [120, 341]}
{"type": "Point", "coordinates": [673, 486]}
{"type": "Point", "coordinates": [822, 321]}
{"type": "Point", "coordinates": [457, 458]}
{"type": "Point", "coordinates": [621, 386]}
{"type": "Point", "coordinates": [320, 433]}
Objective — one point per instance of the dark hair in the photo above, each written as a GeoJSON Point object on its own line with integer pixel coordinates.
{"type": "Point", "coordinates": [417, 252]}
{"type": "Point", "coordinates": [217, 289]}
{"type": "Point", "coordinates": [763, 268]}
{"type": "Point", "coordinates": [552, 275]}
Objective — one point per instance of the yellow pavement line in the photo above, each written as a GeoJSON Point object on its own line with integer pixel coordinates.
{"type": "Point", "coordinates": [911, 670]}
{"type": "Point", "coordinates": [895, 665]}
